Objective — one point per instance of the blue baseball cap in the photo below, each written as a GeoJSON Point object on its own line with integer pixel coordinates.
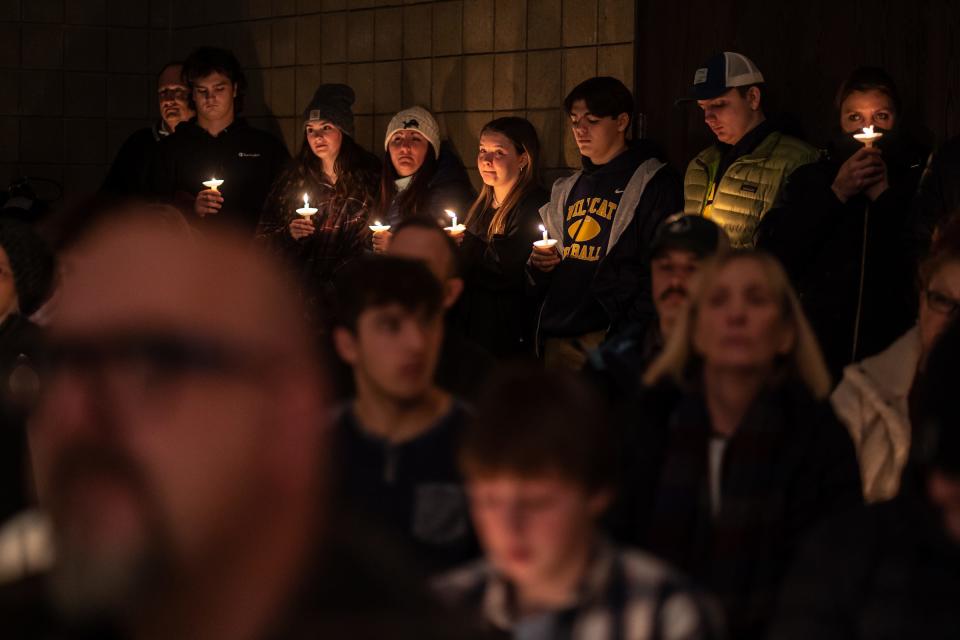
{"type": "Point", "coordinates": [720, 73]}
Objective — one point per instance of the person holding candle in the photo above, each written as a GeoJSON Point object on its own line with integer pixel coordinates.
{"type": "Point", "coordinates": [737, 180]}
{"type": "Point", "coordinates": [333, 175]}
{"type": "Point", "coordinates": [735, 454]}
{"type": "Point", "coordinates": [494, 310]}
{"type": "Point", "coordinates": [841, 229]}
{"type": "Point", "coordinates": [596, 279]}
{"type": "Point", "coordinates": [421, 175]}
{"type": "Point", "coordinates": [539, 481]}
{"type": "Point", "coordinates": [217, 144]}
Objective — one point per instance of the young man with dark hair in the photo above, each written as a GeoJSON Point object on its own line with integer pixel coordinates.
{"type": "Point", "coordinates": [128, 173]}
{"type": "Point", "coordinates": [218, 144]}
{"type": "Point", "coordinates": [463, 365]}
{"type": "Point", "coordinates": [597, 278]}
{"type": "Point", "coordinates": [538, 461]}
{"type": "Point", "coordinates": [397, 435]}
{"type": "Point", "coordinates": [741, 177]}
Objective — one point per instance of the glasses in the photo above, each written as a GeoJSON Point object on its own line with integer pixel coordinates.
{"type": "Point", "coordinates": [179, 95]}
{"type": "Point", "coordinates": [942, 303]}
{"type": "Point", "coordinates": [138, 367]}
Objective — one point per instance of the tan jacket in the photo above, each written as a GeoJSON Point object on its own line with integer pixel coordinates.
{"type": "Point", "coordinates": [872, 401]}
{"type": "Point", "coordinates": [748, 189]}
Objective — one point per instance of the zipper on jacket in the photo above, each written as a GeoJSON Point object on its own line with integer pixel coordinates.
{"type": "Point", "coordinates": [863, 274]}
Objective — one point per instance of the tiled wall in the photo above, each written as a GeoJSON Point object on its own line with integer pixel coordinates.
{"type": "Point", "coordinates": [84, 69]}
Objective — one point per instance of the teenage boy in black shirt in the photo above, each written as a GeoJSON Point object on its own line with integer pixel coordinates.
{"type": "Point", "coordinates": [218, 144]}
{"type": "Point", "coordinates": [604, 217]}
{"type": "Point", "coordinates": [397, 437]}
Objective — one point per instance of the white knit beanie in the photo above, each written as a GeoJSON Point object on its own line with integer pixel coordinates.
{"type": "Point", "coordinates": [415, 119]}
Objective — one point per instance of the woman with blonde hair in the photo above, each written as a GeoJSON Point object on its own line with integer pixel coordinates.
{"type": "Point", "coordinates": [737, 453]}
{"type": "Point", "coordinates": [502, 224]}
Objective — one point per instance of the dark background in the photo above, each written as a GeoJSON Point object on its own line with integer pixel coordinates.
{"type": "Point", "coordinates": [805, 49]}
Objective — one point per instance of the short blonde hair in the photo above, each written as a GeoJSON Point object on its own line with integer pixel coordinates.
{"type": "Point", "coordinates": [678, 361]}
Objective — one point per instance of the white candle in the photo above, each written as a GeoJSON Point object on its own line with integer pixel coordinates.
{"type": "Point", "coordinates": [454, 228]}
{"type": "Point", "coordinates": [868, 136]}
{"type": "Point", "coordinates": [213, 183]}
{"type": "Point", "coordinates": [377, 227]}
{"type": "Point", "coordinates": [306, 211]}
{"type": "Point", "coordinates": [546, 243]}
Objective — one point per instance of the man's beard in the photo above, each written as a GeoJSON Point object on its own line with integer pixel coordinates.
{"type": "Point", "coordinates": [104, 578]}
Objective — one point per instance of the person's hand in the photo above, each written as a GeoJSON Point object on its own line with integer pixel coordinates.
{"type": "Point", "coordinates": [862, 170]}
{"type": "Point", "coordinates": [208, 202]}
{"type": "Point", "coordinates": [301, 228]}
{"type": "Point", "coordinates": [875, 190]}
{"type": "Point", "coordinates": [381, 240]}
{"type": "Point", "coordinates": [545, 259]}
{"type": "Point", "coordinates": [457, 237]}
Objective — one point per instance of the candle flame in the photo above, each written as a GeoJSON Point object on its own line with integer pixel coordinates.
{"type": "Point", "coordinates": [306, 201]}
{"type": "Point", "coordinates": [542, 228]}
{"type": "Point", "coordinates": [450, 213]}
{"type": "Point", "coordinates": [377, 223]}
{"type": "Point", "coordinates": [868, 131]}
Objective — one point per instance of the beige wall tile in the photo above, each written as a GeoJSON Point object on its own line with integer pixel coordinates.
{"type": "Point", "coordinates": [360, 36]}
{"type": "Point", "coordinates": [310, 42]}
{"type": "Point", "coordinates": [283, 92]}
{"type": "Point", "coordinates": [616, 61]}
{"type": "Point", "coordinates": [416, 82]}
{"type": "Point", "coordinates": [308, 79]}
{"type": "Point", "coordinates": [478, 82]}
{"type": "Point", "coordinates": [388, 33]}
{"type": "Point", "coordinates": [578, 65]}
{"type": "Point", "coordinates": [284, 49]}
{"type": "Point", "coordinates": [544, 82]}
{"type": "Point", "coordinates": [447, 28]}
{"type": "Point", "coordinates": [417, 30]}
{"type": "Point", "coordinates": [510, 81]}
{"type": "Point", "coordinates": [447, 84]}
{"type": "Point", "coordinates": [510, 27]}
{"type": "Point", "coordinates": [616, 21]}
{"type": "Point", "coordinates": [387, 87]}
{"type": "Point", "coordinates": [360, 77]}
{"type": "Point", "coordinates": [543, 24]}
{"type": "Point", "coordinates": [334, 34]}
{"type": "Point", "coordinates": [579, 22]}
{"type": "Point", "coordinates": [478, 26]}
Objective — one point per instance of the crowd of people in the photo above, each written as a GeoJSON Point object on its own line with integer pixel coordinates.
{"type": "Point", "coordinates": [342, 394]}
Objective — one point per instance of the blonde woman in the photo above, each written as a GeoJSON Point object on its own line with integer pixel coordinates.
{"type": "Point", "coordinates": [502, 224]}
{"type": "Point", "coordinates": [737, 453]}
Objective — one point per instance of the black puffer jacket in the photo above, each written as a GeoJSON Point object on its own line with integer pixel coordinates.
{"type": "Point", "coordinates": [449, 188]}
{"type": "Point", "coordinates": [820, 241]}
{"type": "Point", "coordinates": [494, 310]}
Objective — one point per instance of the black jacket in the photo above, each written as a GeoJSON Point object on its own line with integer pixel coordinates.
{"type": "Point", "coordinates": [884, 572]}
{"type": "Point", "coordinates": [494, 310]}
{"type": "Point", "coordinates": [248, 160]}
{"type": "Point", "coordinates": [821, 243]}
{"type": "Point", "coordinates": [449, 188]}
{"type": "Point", "coordinates": [621, 283]}
{"type": "Point", "coordinates": [788, 466]}
{"type": "Point", "coordinates": [938, 195]}
{"type": "Point", "coordinates": [19, 341]}
{"type": "Point", "coordinates": [131, 166]}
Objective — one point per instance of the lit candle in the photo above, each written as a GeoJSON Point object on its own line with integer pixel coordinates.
{"type": "Point", "coordinates": [868, 136]}
{"type": "Point", "coordinates": [213, 183]}
{"type": "Point", "coordinates": [454, 228]}
{"type": "Point", "coordinates": [306, 211]}
{"type": "Point", "coordinates": [546, 243]}
{"type": "Point", "coordinates": [376, 227]}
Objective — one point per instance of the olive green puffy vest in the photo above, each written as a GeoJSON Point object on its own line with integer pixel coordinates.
{"type": "Point", "coordinates": [748, 189]}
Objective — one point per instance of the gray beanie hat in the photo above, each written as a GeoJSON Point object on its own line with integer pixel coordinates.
{"type": "Point", "coordinates": [415, 119]}
{"type": "Point", "coordinates": [332, 102]}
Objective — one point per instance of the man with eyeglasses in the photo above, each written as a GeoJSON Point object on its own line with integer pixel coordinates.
{"type": "Point", "coordinates": [218, 144]}
{"type": "Point", "coordinates": [128, 172]}
{"type": "Point", "coordinates": [181, 447]}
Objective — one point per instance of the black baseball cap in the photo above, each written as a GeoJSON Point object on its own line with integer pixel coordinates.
{"type": "Point", "coordinates": [722, 72]}
{"type": "Point", "coordinates": [686, 233]}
